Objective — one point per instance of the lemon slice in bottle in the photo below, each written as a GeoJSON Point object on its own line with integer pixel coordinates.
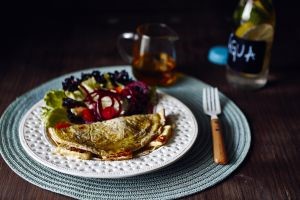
{"type": "Point", "coordinates": [261, 32]}
{"type": "Point", "coordinates": [244, 28]}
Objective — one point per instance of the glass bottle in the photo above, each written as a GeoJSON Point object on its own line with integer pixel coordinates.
{"type": "Point", "coordinates": [250, 44]}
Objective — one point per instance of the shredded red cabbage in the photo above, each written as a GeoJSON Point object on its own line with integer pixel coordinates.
{"type": "Point", "coordinates": [133, 97]}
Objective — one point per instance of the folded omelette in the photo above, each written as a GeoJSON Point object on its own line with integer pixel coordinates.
{"type": "Point", "coordinates": [116, 139]}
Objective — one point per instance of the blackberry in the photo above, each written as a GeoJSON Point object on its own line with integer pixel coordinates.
{"type": "Point", "coordinates": [71, 103]}
{"type": "Point", "coordinates": [74, 119]}
{"type": "Point", "coordinates": [121, 77]}
{"type": "Point", "coordinates": [85, 76]}
{"type": "Point", "coordinates": [99, 77]}
{"type": "Point", "coordinates": [70, 84]}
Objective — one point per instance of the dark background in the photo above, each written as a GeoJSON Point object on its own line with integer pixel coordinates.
{"type": "Point", "coordinates": [58, 24]}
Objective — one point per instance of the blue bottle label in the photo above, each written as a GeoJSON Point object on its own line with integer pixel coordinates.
{"type": "Point", "coordinates": [245, 55]}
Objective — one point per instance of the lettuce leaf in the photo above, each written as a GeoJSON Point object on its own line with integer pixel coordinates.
{"type": "Point", "coordinates": [90, 84]}
{"type": "Point", "coordinates": [53, 116]}
{"type": "Point", "coordinates": [54, 98]}
{"type": "Point", "coordinates": [54, 112]}
{"type": "Point", "coordinates": [76, 95]}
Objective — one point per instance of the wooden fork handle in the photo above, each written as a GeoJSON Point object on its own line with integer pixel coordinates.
{"type": "Point", "coordinates": [220, 155]}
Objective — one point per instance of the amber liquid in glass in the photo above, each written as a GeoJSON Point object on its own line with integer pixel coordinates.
{"type": "Point", "coordinates": [154, 68]}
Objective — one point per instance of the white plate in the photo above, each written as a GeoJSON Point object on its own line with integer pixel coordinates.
{"type": "Point", "coordinates": [34, 141]}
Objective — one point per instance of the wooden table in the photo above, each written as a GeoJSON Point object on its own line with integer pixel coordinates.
{"type": "Point", "coordinates": [40, 44]}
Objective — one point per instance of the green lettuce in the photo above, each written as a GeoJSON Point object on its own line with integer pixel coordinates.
{"type": "Point", "coordinates": [54, 112]}
{"type": "Point", "coordinates": [76, 95]}
{"type": "Point", "coordinates": [54, 98]}
{"type": "Point", "coordinates": [52, 116]}
{"type": "Point", "coordinates": [90, 84]}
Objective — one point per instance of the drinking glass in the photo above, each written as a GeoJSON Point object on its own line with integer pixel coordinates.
{"type": "Point", "coordinates": [153, 56]}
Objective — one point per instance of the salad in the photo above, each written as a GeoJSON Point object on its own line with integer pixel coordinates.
{"type": "Point", "coordinates": [96, 97]}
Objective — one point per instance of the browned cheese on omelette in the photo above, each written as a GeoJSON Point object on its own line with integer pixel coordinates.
{"type": "Point", "coordinates": [114, 139]}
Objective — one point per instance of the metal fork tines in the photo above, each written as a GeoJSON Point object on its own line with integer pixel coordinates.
{"type": "Point", "coordinates": [212, 107]}
{"type": "Point", "coordinates": [211, 102]}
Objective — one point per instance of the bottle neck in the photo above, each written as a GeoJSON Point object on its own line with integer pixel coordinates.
{"type": "Point", "coordinates": [254, 11]}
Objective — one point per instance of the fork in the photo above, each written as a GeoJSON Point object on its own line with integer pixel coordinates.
{"type": "Point", "coordinates": [211, 106]}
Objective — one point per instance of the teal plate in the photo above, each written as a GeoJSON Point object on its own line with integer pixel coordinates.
{"type": "Point", "coordinates": [193, 173]}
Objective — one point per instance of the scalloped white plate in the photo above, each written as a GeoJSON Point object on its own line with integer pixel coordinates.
{"type": "Point", "coordinates": [34, 141]}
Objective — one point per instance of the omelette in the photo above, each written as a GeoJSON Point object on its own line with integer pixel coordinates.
{"type": "Point", "coordinates": [115, 139]}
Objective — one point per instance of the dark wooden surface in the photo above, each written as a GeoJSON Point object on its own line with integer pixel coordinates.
{"type": "Point", "coordinates": [41, 42]}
